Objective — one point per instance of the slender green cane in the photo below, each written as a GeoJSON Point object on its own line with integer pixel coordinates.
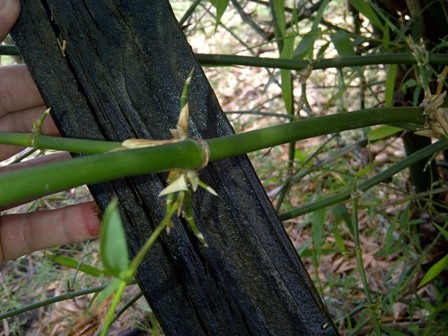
{"type": "Point", "coordinates": [158, 230]}
{"type": "Point", "coordinates": [113, 306]}
{"type": "Point", "coordinates": [264, 62]}
{"type": "Point", "coordinates": [340, 62]}
{"type": "Point", "coordinates": [127, 306]}
{"type": "Point", "coordinates": [59, 298]}
{"type": "Point", "coordinates": [40, 180]}
{"type": "Point", "coordinates": [56, 143]}
{"type": "Point", "coordinates": [188, 154]}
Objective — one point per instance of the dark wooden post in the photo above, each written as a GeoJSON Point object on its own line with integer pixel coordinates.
{"type": "Point", "coordinates": [120, 76]}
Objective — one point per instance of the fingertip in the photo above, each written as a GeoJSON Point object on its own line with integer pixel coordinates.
{"type": "Point", "coordinates": [92, 218]}
{"type": "Point", "coordinates": [9, 12]}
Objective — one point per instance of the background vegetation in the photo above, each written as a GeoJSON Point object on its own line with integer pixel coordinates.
{"type": "Point", "coordinates": [390, 227]}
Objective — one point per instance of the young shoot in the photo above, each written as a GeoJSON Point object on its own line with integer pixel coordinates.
{"type": "Point", "coordinates": [114, 253]}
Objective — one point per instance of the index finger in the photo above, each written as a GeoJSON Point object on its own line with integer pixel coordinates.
{"type": "Point", "coordinates": [9, 12]}
{"type": "Point", "coordinates": [24, 233]}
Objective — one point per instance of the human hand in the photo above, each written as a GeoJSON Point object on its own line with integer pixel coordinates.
{"type": "Point", "coordinates": [20, 104]}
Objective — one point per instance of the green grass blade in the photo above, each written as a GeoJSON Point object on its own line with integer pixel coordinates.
{"type": "Point", "coordinates": [442, 231]}
{"type": "Point", "coordinates": [287, 85]}
{"type": "Point", "coordinates": [306, 45]}
{"type": "Point", "coordinates": [434, 271]}
{"type": "Point", "coordinates": [279, 17]}
{"type": "Point", "coordinates": [72, 263]}
{"type": "Point", "coordinates": [343, 44]}
{"type": "Point", "coordinates": [319, 14]}
{"type": "Point", "coordinates": [390, 84]}
{"type": "Point", "coordinates": [221, 6]}
{"type": "Point", "coordinates": [382, 132]}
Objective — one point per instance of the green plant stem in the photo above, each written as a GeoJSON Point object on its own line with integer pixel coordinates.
{"type": "Point", "coordinates": [340, 62]}
{"type": "Point", "coordinates": [45, 179]}
{"type": "Point", "coordinates": [384, 175]}
{"type": "Point", "coordinates": [66, 296]}
{"type": "Point", "coordinates": [158, 230]}
{"type": "Point", "coordinates": [188, 13]}
{"type": "Point", "coordinates": [355, 196]}
{"type": "Point", "coordinates": [264, 62]}
{"type": "Point", "coordinates": [113, 306]}
{"type": "Point", "coordinates": [263, 114]}
{"type": "Point", "coordinates": [56, 143]}
{"type": "Point", "coordinates": [9, 50]}
{"type": "Point", "coordinates": [127, 306]}
{"type": "Point", "coordinates": [242, 143]}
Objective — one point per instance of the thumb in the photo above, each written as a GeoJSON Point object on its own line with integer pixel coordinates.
{"type": "Point", "coordinates": [9, 12]}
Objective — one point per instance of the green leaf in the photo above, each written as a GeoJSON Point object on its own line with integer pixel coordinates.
{"type": "Point", "coordinates": [365, 9]}
{"type": "Point", "coordinates": [303, 247]}
{"type": "Point", "coordinates": [392, 332]}
{"type": "Point", "coordinates": [319, 14]}
{"type": "Point", "coordinates": [113, 248]}
{"type": "Point", "coordinates": [338, 239]}
{"type": "Point", "coordinates": [442, 231]}
{"type": "Point", "coordinates": [221, 6]}
{"type": "Point", "coordinates": [308, 253]}
{"type": "Point", "coordinates": [390, 84]}
{"type": "Point", "coordinates": [72, 263]}
{"type": "Point", "coordinates": [383, 132]}
{"type": "Point", "coordinates": [364, 171]}
{"type": "Point", "coordinates": [341, 214]}
{"type": "Point", "coordinates": [287, 89]}
{"type": "Point", "coordinates": [306, 44]}
{"type": "Point", "coordinates": [343, 44]}
{"type": "Point", "coordinates": [434, 271]}
{"type": "Point", "coordinates": [279, 16]}
{"type": "Point", "coordinates": [410, 83]}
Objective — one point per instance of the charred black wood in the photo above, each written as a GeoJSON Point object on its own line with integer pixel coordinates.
{"type": "Point", "coordinates": [120, 76]}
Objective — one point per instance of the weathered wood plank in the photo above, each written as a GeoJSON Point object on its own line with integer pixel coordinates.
{"type": "Point", "coordinates": [121, 77]}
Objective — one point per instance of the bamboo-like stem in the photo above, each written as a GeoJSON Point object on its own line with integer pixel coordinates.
{"type": "Point", "coordinates": [126, 307]}
{"type": "Point", "coordinates": [113, 306]}
{"type": "Point", "coordinates": [56, 143]}
{"type": "Point", "coordinates": [208, 60]}
{"type": "Point", "coordinates": [188, 154]}
{"type": "Point", "coordinates": [339, 62]}
{"type": "Point", "coordinates": [63, 297]}
{"type": "Point", "coordinates": [44, 179]}
{"type": "Point", "coordinates": [242, 143]}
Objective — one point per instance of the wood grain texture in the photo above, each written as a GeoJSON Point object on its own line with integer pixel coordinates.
{"type": "Point", "coordinates": [122, 75]}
